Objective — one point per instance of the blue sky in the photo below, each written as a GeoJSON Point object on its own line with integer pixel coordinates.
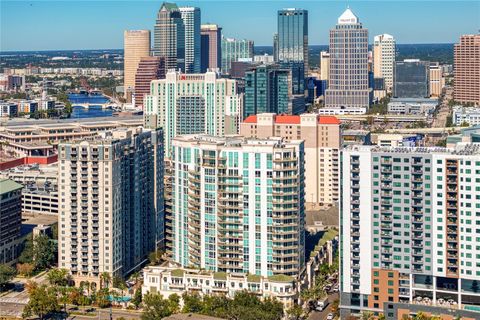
{"type": "Point", "coordinates": [87, 24]}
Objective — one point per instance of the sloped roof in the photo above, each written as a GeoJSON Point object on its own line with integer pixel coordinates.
{"type": "Point", "coordinates": [169, 6]}
{"type": "Point", "coordinates": [348, 17]}
{"type": "Point", "coordinates": [8, 185]}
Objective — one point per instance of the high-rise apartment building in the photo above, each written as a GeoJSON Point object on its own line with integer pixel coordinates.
{"type": "Point", "coordinates": [149, 68]}
{"type": "Point", "coordinates": [11, 220]}
{"type": "Point", "coordinates": [268, 89]}
{"type": "Point", "coordinates": [111, 210]}
{"type": "Point", "coordinates": [191, 21]}
{"type": "Point", "coordinates": [238, 205]}
{"type": "Point", "coordinates": [321, 135]}
{"type": "Point", "coordinates": [384, 59]}
{"type": "Point", "coordinates": [193, 103]}
{"type": "Point", "coordinates": [211, 48]}
{"type": "Point", "coordinates": [234, 50]}
{"type": "Point", "coordinates": [169, 36]}
{"type": "Point", "coordinates": [292, 26]}
{"type": "Point", "coordinates": [437, 81]}
{"type": "Point", "coordinates": [348, 79]}
{"type": "Point", "coordinates": [409, 230]}
{"type": "Point", "coordinates": [467, 69]}
{"type": "Point", "coordinates": [324, 65]}
{"type": "Point", "coordinates": [136, 45]}
{"type": "Point", "coordinates": [411, 79]}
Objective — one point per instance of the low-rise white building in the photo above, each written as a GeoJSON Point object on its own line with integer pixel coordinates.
{"type": "Point", "coordinates": [470, 115]}
{"type": "Point", "coordinates": [342, 111]}
{"type": "Point", "coordinates": [168, 279]}
{"type": "Point", "coordinates": [412, 106]}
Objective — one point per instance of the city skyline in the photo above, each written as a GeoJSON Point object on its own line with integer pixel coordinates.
{"type": "Point", "coordinates": [108, 22]}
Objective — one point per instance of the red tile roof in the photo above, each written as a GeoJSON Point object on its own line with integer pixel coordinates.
{"type": "Point", "coordinates": [250, 119]}
{"type": "Point", "coordinates": [328, 120]}
{"type": "Point", "coordinates": [283, 118]}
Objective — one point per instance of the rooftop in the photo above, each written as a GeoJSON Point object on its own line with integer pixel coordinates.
{"type": "Point", "coordinates": [7, 185]}
{"type": "Point", "coordinates": [293, 119]}
{"type": "Point", "coordinates": [468, 149]}
{"type": "Point", "coordinates": [348, 17]}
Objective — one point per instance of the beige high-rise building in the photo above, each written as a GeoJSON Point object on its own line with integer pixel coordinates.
{"type": "Point", "coordinates": [437, 81]}
{"type": "Point", "coordinates": [322, 143]}
{"type": "Point", "coordinates": [348, 79]}
{"type": "Point", "coordinates": [111, 208]}
{"type": "Point", "coordinates": [384, 59]}
{"type": "Point", "coordinates": [467, 69]}
{"type": "Point", "coordinates": [136, 44]}
{"type": "Point", "coordinates": [324, 65]}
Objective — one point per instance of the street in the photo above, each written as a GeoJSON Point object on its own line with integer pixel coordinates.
{"type": "Point", "coordinates": [322, 315]}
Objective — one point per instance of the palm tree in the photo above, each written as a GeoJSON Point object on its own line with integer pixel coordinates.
{"type": "Point", "coordinates": [367, 315]}
{"type": "Point", "coordinates": [105, 279]}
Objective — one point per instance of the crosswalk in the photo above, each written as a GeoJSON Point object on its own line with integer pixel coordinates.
{"type": "Point", "coordinates": [14, 300]}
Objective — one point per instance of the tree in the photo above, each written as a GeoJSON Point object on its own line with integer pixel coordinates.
{"type": "Point", "coordinates": [295, 312]}
{"type": "Point", "coordinates": [101, 298]}
{"type": "Point", "coordinates": [155, 307]}
{"type": "Point", "coordinates": [105, 280]}
{"type": "Point", "coordinates": [381, 316]}
{"type": "Point", "coordinates": [43, 301]}
{"type": "Point", "coordinates": [59, 277]}
{"type": "Point", "coordinates": [7, 273]}
{"type": "Point", "coordinates": [25, 269]}
{"type": "Point", "coordinates": [192, 302]}
{"type": "Point", "coordinates": [39, 251]}
{"type": "Point", "coordinates": [367, 315]}
{"type": "Point", "coordinates": [137, 298]}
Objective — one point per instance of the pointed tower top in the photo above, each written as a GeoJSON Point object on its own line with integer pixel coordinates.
{"type": "Point", "coordinates": [348, 17]}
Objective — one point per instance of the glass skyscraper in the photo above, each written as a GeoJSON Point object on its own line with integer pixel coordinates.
{"type": "Point", "coordinates": [191, 22]}
{"type": "Point", "coordinates": [169, 36]}
{"type": "Point", "coordinates": [293, 44]}
{"type": "Point", "coordinates": [267, 89]}
{"type": "Point", "coordinates": [411, 79]}
{"type": "Point", "coordinates": [233, 50]}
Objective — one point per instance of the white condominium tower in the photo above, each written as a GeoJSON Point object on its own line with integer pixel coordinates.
{"type": "Point", "coordinates": [348, 77]}
{"type": "Point", "coordinates": [410, 231]}
{"type": "Point", "coordinates": [384, 59]}
{"type": "Point", "coordinates": [191, 21]}
{"type": "Point", "coordinates": [237, 205]}
{"type": "Point", "coordinates": [193, 103]}
{"type": "Point", "coordinates": [111, 208]}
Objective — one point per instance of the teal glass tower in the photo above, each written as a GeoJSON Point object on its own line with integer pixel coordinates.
{"type": "Point", "coordinates": [293, 44]}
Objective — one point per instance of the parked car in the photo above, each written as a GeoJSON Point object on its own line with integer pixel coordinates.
{"type": "Point", "coordinates": [330, 316]}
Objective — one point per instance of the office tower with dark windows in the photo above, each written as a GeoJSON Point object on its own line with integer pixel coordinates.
{"type": "Point", "coordinates": [211, 47]}
{"type": "Point", "coordinates": [348, 78]}
{"type": "Point", "coordinates": [292, 35]}
{"type": "Point", "coordinates": [149, 68]}
{"type": "Point", "coordinates": [11, 220]}
{"type": "Point", "coordinates": [111, 210]}
{"type": "Point", "coordinates": [169, 36]}
{"type": "Point", "coordinates": [191, 21]}
{"type": "Point", "coordinates": [268, 89]}
{"type": "Point", "coordinates": [411, 79]}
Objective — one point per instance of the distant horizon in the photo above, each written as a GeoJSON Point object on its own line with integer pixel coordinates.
{"type": "Point", "coordinates": [255, 46]}
{"type": "Point", "coordinates": [73, 25]}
